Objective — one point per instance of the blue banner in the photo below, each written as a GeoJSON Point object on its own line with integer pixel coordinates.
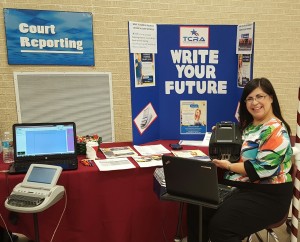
{"type": "Point", "coordinates": [40, 37]}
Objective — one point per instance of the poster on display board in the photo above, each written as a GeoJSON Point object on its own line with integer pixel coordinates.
{"type": "Point", "coordinates": [41, 37]}
{"type": "Point", "coordinates": [196, 82]}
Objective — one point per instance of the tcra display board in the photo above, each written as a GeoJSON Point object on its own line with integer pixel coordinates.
{"type": "Point", "coordinates": [190, 84]}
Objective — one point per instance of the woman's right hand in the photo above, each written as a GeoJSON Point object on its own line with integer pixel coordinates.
{"type": "Point", "coordinates": [224, 164]}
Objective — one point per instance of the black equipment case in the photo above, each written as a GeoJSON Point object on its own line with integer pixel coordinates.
{"type": "Point", "coordinates": [225, 142]}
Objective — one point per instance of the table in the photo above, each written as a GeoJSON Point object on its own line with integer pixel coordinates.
{"type": "Point", "coordinates": [112, 206]}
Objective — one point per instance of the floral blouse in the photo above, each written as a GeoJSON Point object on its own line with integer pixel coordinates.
{"type": "Point", "coordinates": [267, 153]}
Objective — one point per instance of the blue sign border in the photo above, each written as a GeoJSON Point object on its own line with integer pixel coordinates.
{"type": "Point", "coordinates": [42, 37]}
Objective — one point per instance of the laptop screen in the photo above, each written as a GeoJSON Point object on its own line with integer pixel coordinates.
{"type": "Point", "coordinates": [36, 140]}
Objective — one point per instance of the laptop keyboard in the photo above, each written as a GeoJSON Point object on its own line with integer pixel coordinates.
{"type": "Point", "coordinates": [63, 163]}
{"type": "Point", "coordinates": [223, 192]}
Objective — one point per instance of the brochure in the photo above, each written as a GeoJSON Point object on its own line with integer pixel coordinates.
{"type": "Point", "coordinates": [151, 149]}
{"type": "Point", "coordinates": [188, 153]}
{"type": "Point", "coordinates": [114, 164]}
{"type": "Point", "coordinates": [116, 152]}
{"type": "Point", "coordinates": [148, 161]}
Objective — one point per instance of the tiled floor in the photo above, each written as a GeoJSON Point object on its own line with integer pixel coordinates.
{"type": "Point", "coordinates": [281, 232]}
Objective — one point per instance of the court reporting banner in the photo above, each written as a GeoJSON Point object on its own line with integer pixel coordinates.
{"type": "Point", "coordinates": [40, 37]}
{"type": "Point", "coordinates": [196, 82]}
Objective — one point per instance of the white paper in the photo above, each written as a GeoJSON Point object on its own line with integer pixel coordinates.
{"type": "Point", "coordinates": [117, 152]}
{"type": "Point", "coordinates": [206, 139]}
{"type": "Point", "coordinates": [188, 153]}
{"type": "Point", "coordinates": [143, 37]}
{"type": "Point", "coordinates": [202, 143]}
{"type": "Point", "coordinates": [244, 38]}
{"type": "Point", "coordinates": [152, 149]}
{"type": "Point", "coordinates": [114, 164]}
{"type": "Point", "coordinates": [148, 161]}
{"type": "Point", "coordinates": [191, 142]}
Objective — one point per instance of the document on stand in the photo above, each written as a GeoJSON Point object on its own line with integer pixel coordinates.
{"type": "Point", "coordinates": [114, 164]}
{"type": "Point", "coordinates": [151, 149]}
{"type": "Point", "coordinates": [160, 176]}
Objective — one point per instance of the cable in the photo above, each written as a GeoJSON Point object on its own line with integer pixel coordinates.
{"type": "Point", "coordinates": [163, 223]}
{"type": "Point", "coordinates": [7, 190]}
{"type": "Point", "coordinates": [7, 185]}
{"type": "Point", "coordinates": [66, 201]}
{"type": "Point", "coordinates": [6, 228]}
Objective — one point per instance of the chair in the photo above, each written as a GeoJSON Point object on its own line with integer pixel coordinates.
{"type": "Point", "coordinates": [270, 231]}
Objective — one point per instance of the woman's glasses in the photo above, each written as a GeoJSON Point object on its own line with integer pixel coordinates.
{"type": "Point", "coordinates": [257, 98]}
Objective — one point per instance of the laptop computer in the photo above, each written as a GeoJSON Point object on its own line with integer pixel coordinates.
{"type": "Point", "coordinates": [44, 143]}
{"type": "Point", "coordinates": [194, 179]}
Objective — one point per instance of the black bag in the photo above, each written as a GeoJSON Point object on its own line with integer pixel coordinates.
{"type": "Point", "coordinates": [225, 142]}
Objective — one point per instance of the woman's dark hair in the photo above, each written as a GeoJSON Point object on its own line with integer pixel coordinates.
{"type": "Point", "coordinates": [245, 117]}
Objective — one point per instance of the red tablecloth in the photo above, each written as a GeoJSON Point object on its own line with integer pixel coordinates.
{"type": "Point", "coordinates": [111, 206]}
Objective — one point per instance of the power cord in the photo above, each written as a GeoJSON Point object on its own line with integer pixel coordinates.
{"type": "Point", "coordinates": [163, 224]}
{"type": "Point", "coordinates": [11, 239]}
{"type": "Point", "coordinates": [179, 232]}
{"type": "Point", "coordinates": [7, 187]}
{"type": "Point", "coordinates": [66, 201]}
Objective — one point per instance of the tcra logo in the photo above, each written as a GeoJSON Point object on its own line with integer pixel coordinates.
{"type": "Point", "coordinates": [194, 36]}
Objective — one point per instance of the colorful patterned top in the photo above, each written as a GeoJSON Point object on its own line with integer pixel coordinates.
{"type": "Point", "coordinates": [266, 153]}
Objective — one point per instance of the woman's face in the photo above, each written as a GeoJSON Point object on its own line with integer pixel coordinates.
{"type": "Point", "coordinates": [259, 105]}
{"type": "Point", "coordinates": [240, 61]}
{"type": "Point", "coordinates": [197, 114]}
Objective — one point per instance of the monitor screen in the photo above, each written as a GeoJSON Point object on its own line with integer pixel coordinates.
{"type": "Point", "coordinates": [41, 175]}
{"type": "Point", "coordinates": [44, 139]}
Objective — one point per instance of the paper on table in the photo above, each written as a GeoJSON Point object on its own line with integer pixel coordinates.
{"type": "Point", "coordinates": [206, 139]}
{"type": "Point", "coordinates": [117, 152]}
{"type": "Point", "coordinates": [148, 161]}
{"type": "Point", "coordinates": [114, 164]}
{"type": "Point", "coordinates": [188, 153]}
{"type": "Point", "coordinates": [151, 149]}
{"type": "Point", "coordinates": [204, 142]}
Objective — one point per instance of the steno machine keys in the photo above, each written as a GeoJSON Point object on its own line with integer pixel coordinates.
{"type": "Point", "coordinates": [38, 191]}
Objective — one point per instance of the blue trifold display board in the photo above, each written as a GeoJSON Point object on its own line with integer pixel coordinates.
{"type": "Point", "coordinates": [186, 78]}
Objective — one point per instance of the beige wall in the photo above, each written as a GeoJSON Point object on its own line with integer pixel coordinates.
{"type": "Point", "coordinates": [277, 44]}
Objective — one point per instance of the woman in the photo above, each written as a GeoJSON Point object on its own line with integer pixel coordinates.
{"type": "Point", "coordinates": [197, 117]}
{"type": "Point", "coordinates": [138, 68]}
{"type": "Point", "coordinates": [262, 173]}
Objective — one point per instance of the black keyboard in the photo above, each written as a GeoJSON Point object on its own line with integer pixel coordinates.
{"type": "Point", "coordinates": [24, 201]}
{"type": "Point", "coordinates": [23, 167]}
{"type": "Point", "coordinates": [223, 192]}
